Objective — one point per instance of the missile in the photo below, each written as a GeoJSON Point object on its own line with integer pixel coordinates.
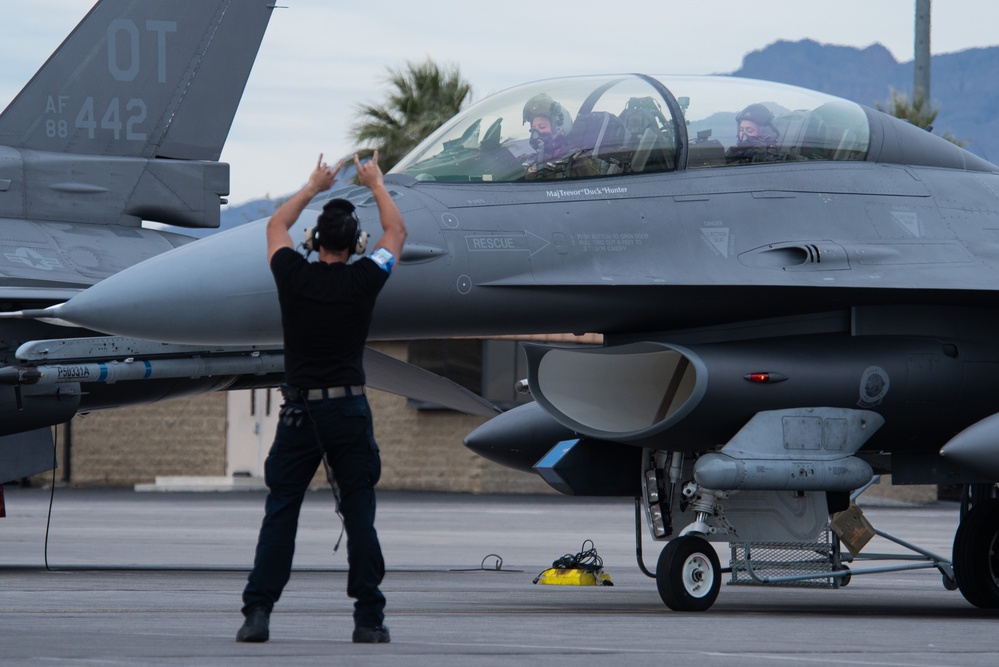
{"type": "Point", "coordinates": [110, 372]}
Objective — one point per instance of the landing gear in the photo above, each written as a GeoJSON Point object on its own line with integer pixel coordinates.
{"type": "Point", "coordinates": [976, 494]}
{"type": "Point", "coordinates": [976, 554]}
{"type": "Point", "coordinates": [688, 575]}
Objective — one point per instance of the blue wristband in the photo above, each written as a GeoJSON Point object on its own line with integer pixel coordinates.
{"type": "Point", "coordinates": [384, 259]}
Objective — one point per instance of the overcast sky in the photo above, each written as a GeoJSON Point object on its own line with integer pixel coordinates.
{"type": "Point", "coordinates": [320, 59]}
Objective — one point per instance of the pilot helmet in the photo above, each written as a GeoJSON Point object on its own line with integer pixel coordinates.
{"type": "Point", "coordinates": [542, 104]}
{"type": "Point", "coordinates": [756, 113]}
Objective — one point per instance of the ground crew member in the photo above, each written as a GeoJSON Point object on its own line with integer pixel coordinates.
{"type": "Point", "coordinates": [326, 310]}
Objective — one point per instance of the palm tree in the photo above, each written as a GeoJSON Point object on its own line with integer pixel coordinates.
{"type": "Point", "coordinates": [917, 110]}
{"type": "Point", "coordinates": [422, 97]}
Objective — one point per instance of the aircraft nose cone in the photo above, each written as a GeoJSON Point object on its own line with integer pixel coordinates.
{"type": "Point", "coordinates": [214, 291]}
{"type": "Point", "coordinates": [518, 438]}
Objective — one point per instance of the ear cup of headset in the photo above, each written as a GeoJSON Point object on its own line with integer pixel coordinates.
{"type": "Point", "coordinates": [312, 239]}
{"type": "Point", "coordinates": [361, 242]}
{"type": "Point", "coordinates": [360, 236]}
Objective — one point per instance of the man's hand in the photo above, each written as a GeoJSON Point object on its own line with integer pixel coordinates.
{"type": "Point", "coordinates": [393, 227]}
{"type": "Point", "coordinates": [368, 173]}
{"type": "Point", "coordinates": [322, 177]}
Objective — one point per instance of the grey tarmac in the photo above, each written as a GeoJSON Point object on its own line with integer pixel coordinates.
{"type": "Point", "coordinates": [155, 579]}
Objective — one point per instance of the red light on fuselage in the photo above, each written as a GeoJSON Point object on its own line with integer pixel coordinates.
{"type": "Point", "coordinates": [765, 377]}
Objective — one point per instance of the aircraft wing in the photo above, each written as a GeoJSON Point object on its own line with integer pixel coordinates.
{"type": "Point", "coordinates": [398, 377]}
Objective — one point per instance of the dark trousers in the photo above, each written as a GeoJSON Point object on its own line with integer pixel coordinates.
{"type": "Point", "coordinates": [344, 427]}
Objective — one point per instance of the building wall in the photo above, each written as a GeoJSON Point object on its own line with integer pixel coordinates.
{"type": "Point", "coordinates": [184, 436]}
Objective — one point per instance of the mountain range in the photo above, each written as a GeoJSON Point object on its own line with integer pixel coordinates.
{"type": "Point", "coordinates": [963, 85]}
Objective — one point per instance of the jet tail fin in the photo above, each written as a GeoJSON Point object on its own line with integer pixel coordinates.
{"type": "Point", "coordinates": [143, 79]}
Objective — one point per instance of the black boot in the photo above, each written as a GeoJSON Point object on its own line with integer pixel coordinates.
{"type": "Point", "coordinates": [378, 635]}
{"type": "Point", "coordinates": [256, 627]}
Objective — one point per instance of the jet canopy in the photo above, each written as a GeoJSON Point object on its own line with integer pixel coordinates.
{"type": "Point", "coordinates": [608, 126]}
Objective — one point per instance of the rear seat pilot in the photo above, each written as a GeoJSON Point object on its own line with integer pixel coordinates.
{"type": "Point", "coordinates": [756, 137]}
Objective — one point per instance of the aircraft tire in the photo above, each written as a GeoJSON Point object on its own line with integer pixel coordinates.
{"type": "Point", "coordinates": [688, 575]}
{"type": "Point", "coordinates": [976, 555]}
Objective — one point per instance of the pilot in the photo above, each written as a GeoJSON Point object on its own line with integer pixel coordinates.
{"type": "Point", "coordinates": [550, 127]}
{"type": "Point", "coordinates": [756, 137]}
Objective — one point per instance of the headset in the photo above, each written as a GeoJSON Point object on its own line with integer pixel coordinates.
{"type": "Point", "coordinates": [332, 207]}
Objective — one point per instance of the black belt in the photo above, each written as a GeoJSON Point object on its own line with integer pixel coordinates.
{"type": "Point", "coordinates": [296, 394]}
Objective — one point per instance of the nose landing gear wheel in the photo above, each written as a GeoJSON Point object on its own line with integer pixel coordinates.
{"type": "Point", "coordinates": [688, 575]}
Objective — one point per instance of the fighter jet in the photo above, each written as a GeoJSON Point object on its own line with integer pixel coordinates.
{"type": "Point", "coordinates": [125, 122]}
{"type": "Point", "coordinates": [795, 293]}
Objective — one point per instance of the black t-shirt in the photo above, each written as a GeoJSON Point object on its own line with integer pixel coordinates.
{"type": "Point", "coordinates": [325, 313]}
